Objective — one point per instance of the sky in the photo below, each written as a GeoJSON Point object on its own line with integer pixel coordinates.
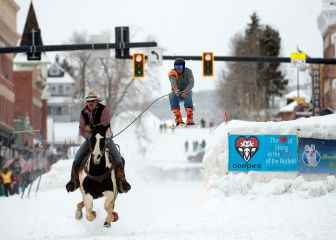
{"type": "Point", "coordinates": [181, 27]}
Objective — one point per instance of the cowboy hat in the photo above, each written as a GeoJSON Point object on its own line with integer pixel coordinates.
{"type": "Point", "coordinates": [91, 96]}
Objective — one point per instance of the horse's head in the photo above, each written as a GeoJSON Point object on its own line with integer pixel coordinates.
{"type": "Point", "coordinates": [97, 143]}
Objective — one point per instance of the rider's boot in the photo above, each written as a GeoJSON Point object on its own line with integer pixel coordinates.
{"type": "Point", "coordinates": [190, 120]}
{"type": "Point", "coordinates": [81, 156]}
{"type": "Point", "coordinates": [122, 184]}
{"type": "Point", "coordinates": [178, 116]}
{"type": "Point", "coordinates": [73, 184]}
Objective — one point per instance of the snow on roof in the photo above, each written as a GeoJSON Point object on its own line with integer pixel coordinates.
{"type": "Point", "coordinates": [61, 80]}
{"type": "Point", "coordinates": [289, 108]}
{"type": "Point", "coordinates": [59, 100]}
{"type": "Point", "coordinates": [22, 58]}
{"type": "Point", "coordinates": [302, 93]}
{"type": "Point", "coordinates": [61, 132]}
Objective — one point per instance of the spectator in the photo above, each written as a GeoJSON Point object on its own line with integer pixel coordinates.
{"type": "Point", "coordinates": [7, 179]}
{"type": "Point", "coordinates": [186, 146]}
{"type": "Point", "coordinates": [203, 144]}
{"type": "Point", "coordinates": [203, 123]}
{"type": "Point", "coordinates": [195, 145]}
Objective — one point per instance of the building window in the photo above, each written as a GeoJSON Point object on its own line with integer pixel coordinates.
{"type": "Point", "coordinates": [53, 89]}
{"type": "Point", "coordinates": [59, 111]}
{"type": "Point", "coordinates": [60, 90]}
{"type": "Point", "coordinates": [326, 41]}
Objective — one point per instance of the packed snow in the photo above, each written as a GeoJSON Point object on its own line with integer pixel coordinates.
{"type": "Point", "coordinates": [163, 205]}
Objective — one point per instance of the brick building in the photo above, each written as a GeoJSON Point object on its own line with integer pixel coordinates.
{"type": "Point", "coordinates": [8, 37]}
{"type": "Point", "coordinates": [29, 87]}
{"type": "Point", "coordinates": [327, 26]}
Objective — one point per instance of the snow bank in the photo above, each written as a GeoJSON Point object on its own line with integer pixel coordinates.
{"type": "Point", "coordinates": [57, 177]}
{"type": "Point", "coordinates": [215, 162]}
{"type": "Point", "coordinates": [244, 184]}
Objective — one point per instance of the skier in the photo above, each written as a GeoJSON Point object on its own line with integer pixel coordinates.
{"type": "Point", "coordinates": [96, 117]}
{"type": "Point", "coordinates": [182, 82]}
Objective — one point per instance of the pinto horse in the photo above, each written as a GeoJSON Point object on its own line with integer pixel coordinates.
{"type": "Point", "coordinates": [97, 179]}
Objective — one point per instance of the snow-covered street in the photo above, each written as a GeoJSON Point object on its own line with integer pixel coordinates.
{"type": "Point", "coordinates": [173, 207]}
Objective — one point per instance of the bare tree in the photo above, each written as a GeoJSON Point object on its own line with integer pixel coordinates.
{"type": "Point", "coordinates": [112, 78]}
{"type": "Point", "coordinates": [80, 60]}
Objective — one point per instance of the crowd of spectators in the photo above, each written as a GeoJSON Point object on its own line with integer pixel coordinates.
{"type": "Point", "coordinates": [24, 167]}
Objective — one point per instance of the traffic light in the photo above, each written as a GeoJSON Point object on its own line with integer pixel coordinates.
{"type": "Point", "coordinates": [208, 64]}
{"type": "Point", "coordinates": [138, 65]}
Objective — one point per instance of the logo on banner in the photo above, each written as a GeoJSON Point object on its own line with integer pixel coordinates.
{"type": "Point", "coordinates": [247, 147]}
{"type": "Point", "coordinates": [311, 157]}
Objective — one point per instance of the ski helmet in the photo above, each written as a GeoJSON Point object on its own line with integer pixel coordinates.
{"type": "Point", "coordinates": [179, 62]}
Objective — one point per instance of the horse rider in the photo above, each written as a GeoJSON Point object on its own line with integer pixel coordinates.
{"type": "Point", "coordinates": [182, 81]}
{"type": "Point", "coordinates": [96, 117]}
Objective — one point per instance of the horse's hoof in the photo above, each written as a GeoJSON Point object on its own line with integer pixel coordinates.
{"type": "Point", "coordinates": [78, 214]}
{"type": "Point", "coordinates": [115, 216]}
{"type": "Point", "coordinates": [91, 216]}
{"type": "Point", "coordinates": [107, 225]}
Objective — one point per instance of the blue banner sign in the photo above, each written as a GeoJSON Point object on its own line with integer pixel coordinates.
{"type": "Point", "coordinates": [317, 155]}
{"type": "Point", "coordinates": [271, 153]}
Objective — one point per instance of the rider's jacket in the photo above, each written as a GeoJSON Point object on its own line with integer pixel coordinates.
{"type": "Point", "coordinates": [181, 81]}
{"type": "Point", "coordinates": [98, 119]}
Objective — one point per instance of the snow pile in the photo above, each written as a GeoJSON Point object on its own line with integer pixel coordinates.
{"type": "Point", "coordinates": [215, 162]}
{"type": "Point", "coordinates": [244, 184]}
{"type": "Point", "coordinates": [57, 177]}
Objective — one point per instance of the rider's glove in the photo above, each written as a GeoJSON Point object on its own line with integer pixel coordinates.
{"type": "Point", "coordinates": [184, 93]}
{"type": "Point", "coordinates": [108, 140]}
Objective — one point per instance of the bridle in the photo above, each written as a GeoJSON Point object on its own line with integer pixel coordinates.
{"type": "Point", "coordinates": [102, 177]}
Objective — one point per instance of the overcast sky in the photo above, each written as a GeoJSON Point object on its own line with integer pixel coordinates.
{"type": "Point", "coordinates": [181, 27]}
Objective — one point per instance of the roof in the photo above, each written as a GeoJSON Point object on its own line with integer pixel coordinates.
{"type": "Point", "coordinates": [59, 100]}
{"type": "Point", "coordinates": [21, 58]}
{"type": "Point", "coordinates": [57, 80]}
{"type": "Point", "coordinates": [61, 76]}
{"type": "Point", "coordinates": [302, 93]}
{"type": "Point", "coordinates": [31, 23]}
{"type": "Point", "coordinates": [289, 108]}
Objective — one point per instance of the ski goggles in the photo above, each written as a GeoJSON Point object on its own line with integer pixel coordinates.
{"type": "Point", "coordinates": [179, 67]}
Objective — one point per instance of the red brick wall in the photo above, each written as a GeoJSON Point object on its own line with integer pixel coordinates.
{"type": "Point", "coordinates": [6, 104]}
{"type": "Point", "coordinates": [37, 109]}
{"type": "Point", "coordinates": [23, 93]}
{"type": "Point", "coordinates": [329, 72]}
{"type": "Point", "coordinates": [44, 119]}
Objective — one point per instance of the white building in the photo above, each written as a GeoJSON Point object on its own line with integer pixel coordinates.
{"type": "Point", "coordinates": [61, 87]}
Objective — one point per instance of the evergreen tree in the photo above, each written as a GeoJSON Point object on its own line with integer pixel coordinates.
{"type": "Point", "coordinates": [253, 84]}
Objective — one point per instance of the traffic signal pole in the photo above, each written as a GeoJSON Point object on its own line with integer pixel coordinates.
{"type": "Point", "coordinates": [123, 45]}
{"type": "Point", "coordinates": [73, 47]}
{"type": "Point", "coordinates": [251, 59]}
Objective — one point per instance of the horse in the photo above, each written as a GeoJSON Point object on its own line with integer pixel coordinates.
{"type": "Point", "coordinates": [97, 179]}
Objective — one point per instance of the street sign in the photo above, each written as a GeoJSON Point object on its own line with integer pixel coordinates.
{"type": "Point", "coordinates": [298, 59]}
{"type": "Point", "coordinates": [316, 90]}
{"type": "Point", "coordinates": [122, 39]}
{"type": "Point", "coordinates": [155, 56]}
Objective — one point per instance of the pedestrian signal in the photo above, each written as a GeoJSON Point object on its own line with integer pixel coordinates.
{"type": "Point", "coordinates": [208, 64]}
{"type": "Point", "coordinates": [138, 65]}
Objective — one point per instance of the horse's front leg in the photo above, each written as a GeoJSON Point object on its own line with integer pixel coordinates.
{"type": "Point", "coordinates": [88, 202]}
{"type": "Point", "coordinates": [109, 207]}
{"type": "Point", "coordinates": [79, 213]}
